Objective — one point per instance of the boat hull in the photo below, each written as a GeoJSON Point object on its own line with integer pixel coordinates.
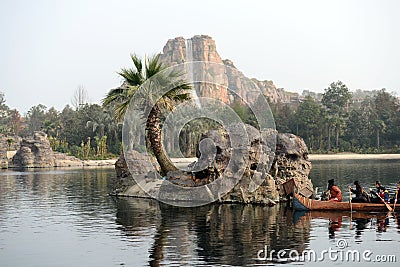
{"type": "Point", "coordinates": [301, 203]}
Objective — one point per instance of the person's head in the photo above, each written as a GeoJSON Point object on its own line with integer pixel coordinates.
{"type": "Point", "coordinates": [331, 183]}
{"type": "Point", "coordinates": [356, 183]}
{"type": "Point", "coordinates": [377, 184]}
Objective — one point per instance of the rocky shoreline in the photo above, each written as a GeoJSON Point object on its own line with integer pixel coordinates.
{"type": "Point", "coordinates": [35, 152]}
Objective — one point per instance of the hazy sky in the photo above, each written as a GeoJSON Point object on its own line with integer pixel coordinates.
{"type": "Point", "coordinates": [49, 48]}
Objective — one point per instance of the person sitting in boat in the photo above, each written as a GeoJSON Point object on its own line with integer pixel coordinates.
{"type": "Point", "coordinates": [335, 193]}
{"type": "Point", "coordinates": [361, 196]}
{"type": "Point", "coordinates": [397, 195]}
{"type": "Point", "coordinates": [381, 192]}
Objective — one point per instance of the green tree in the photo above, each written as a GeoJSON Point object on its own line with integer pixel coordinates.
{"type": "Point", "coordinates": [35, 118]}
{"type": "Point", "coordinates": [15, 122]}
{"type": "Point", "coordinates": [336, 99]}
{"type": "Point", "coordinates": [4, 113]}
{"type": "Point", "coordinates": [309, 118]}
{"type": "Point", "coordinates": [120, 98]}
{"type": "Point", "coordinates": [385, 117]}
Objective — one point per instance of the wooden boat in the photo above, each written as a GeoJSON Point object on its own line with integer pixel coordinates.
{"type": "Point", "coordinates": [301, 203]}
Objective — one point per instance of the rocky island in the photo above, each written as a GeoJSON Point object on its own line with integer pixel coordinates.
{"type": "Point", "coordinates": [290, 160]}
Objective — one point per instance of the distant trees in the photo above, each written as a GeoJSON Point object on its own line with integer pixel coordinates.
{"type": "Point", "coordinates": [310, 117]}
{"type": "Point", "coordinates": [69, 129]}
{"type": "Point", "coordinates": [336, 100]}
{"type": "Point", "coordinates": [366, 122]}
{"type": "Point", "coordinates": [10, 119]}
{"type": "Point", "coordinates": [370, 124]}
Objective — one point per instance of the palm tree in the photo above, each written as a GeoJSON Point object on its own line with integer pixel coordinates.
{"type": "Point", "coordinates": [379, 126]}
{"type": "Point", "coordinates": [120, 98]}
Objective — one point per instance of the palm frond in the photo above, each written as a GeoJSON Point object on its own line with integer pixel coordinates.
{"type": "Point", "coordinates": [153, 66]}
{"type": "Point", "coordinates": [114, 96]}
{"type": "Point", "coordinates": [131, 76]}
{"type": "Point", "coordinates": [137, 61]}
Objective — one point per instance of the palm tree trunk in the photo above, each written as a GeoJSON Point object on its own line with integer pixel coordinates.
{"type": "Point", "coordinates": [153, 127]}
{"type": "Point", "coordinates": [329, 138]}
{"type": "Point", "coordinates": [337, 137]}
{"type": "Point", "coordinates": [321, 144]}
{"type": "Point", "coordinates": [377, 138]}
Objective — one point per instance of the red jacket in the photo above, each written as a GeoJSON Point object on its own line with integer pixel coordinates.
{"type": "Point", "coordinates": [336, 194]}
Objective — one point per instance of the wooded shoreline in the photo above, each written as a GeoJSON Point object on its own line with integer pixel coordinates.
{"type": "Point", "coordinates": [351, 156]}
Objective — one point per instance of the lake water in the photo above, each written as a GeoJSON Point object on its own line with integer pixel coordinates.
{"type": "Point", "coordinates": [65, 218]}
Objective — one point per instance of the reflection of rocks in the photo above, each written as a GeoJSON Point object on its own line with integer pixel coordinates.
{"type": "Point", "coordinates": [34, 152]}
{"type": "Point", "coordinates": [230, 234]}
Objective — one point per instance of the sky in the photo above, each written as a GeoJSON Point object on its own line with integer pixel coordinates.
{"type": "Point", "coordinates": [50, 48]}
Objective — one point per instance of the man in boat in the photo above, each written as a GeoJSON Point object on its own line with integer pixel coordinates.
{"type": "Point", "coordinates": [381, 192]}
{"type": "Point", "coordinates": [397, 195]}
{"type": "Point", "coordinates": [361, 196]}
{"type": "Point", "coordinates": [335, 193]}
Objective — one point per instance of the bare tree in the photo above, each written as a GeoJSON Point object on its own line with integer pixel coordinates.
{"type": "Point", "coordinates": [80, 97]}
{"type": "Point", "coordinates": [2, 98]}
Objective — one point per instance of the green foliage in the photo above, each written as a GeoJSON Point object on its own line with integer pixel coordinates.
{"type": "Point", "coordinates": [10, 119]}
{"type": "Point", "coordinates": [150, 98]}
{"type": "Point", "coordinates": [245, 113]}
{"type": "Point", "coordinates": [59, 145]}
{"type": "Point", "coordinates": [119, 99]}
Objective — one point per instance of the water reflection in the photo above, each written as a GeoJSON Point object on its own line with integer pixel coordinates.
{"type": "Point", "coordinates": [213, 234]}
{"type": "Point", "coordinates": [67, 214]}
{"type": "Point", "coordinates": [356, 222]}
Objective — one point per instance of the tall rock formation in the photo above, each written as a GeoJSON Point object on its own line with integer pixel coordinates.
{"type": "Point", "coordinates": [35, 152]}
{"type": "Point", "coordinates": [202, 48]}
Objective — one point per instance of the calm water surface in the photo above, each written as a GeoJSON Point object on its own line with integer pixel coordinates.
{"type": "Point", "coordinates": [65, 218]}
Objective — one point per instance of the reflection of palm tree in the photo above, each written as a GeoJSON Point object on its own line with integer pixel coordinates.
{"type": "Point", "coordinates": [157, 249]}
{"type": "Point", "coordinates": [121, 97]}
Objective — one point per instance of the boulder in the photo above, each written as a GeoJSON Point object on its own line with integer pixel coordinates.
{"type": "Point", "coordinates": [139, 165]}
{"type": "Point", "coordinates": [64, 160]}
{"type": "Point", "coordinates": [265, 171]}
{"type": "Point", "coordinates": [35, 152]}
{"type": "Point", "coordinates": [8, 146]}
{"type": "Point", "coordinates": [254, 158]}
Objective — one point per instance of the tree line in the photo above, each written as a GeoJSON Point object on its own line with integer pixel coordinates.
{"type": "Point", "coordinates": [339, 122]}
{"type": "Point", "coordinates": [335, 121]}
{"type": "Point", "coordinates": [87, 131]}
